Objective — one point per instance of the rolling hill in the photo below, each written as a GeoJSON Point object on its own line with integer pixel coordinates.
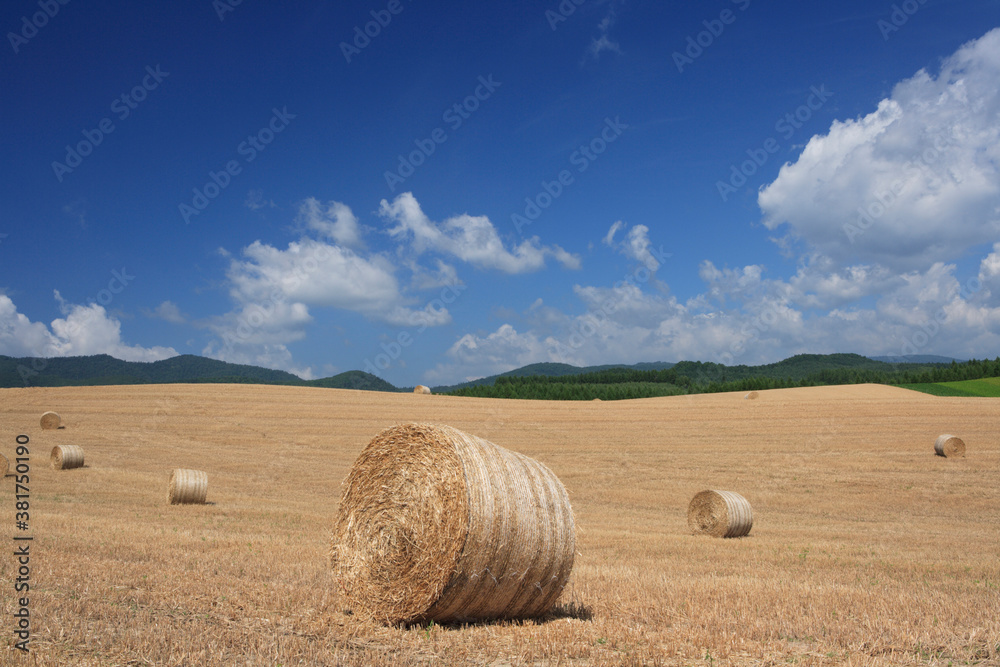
{"type": "Point", "coordinates": [102, 369]}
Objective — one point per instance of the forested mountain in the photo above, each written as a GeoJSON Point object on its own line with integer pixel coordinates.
{"type": "Point", "coordinates": [102, 369]}
{"type": "Point", "coordinates": [798, 367]}
{"type": "Point", "coordinates": [551, 369]}
{"type": "Point", "coordinates": [918, 359]}
{"type": "Point", "coordinates": [353, 380]}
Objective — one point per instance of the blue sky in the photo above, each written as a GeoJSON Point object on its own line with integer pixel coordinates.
{"type": "Point", "coordinates": [464, 190]}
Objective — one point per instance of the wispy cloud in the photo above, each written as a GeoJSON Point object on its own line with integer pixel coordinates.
{"type": "Point", "coordinates": [636, 244]}
{"type": "Point", "coordinates": [167, 311]}
{"type": "Point", "coordinates": [255, 201]}
{"type": "Point", "coordinates": [603, 42]}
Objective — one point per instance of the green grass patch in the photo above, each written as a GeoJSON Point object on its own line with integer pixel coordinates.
{"type": "Point", "coordinates": [987, 387]}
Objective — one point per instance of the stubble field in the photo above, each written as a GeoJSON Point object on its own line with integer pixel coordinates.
{"type": "Point", "coordinates": [866, 548]}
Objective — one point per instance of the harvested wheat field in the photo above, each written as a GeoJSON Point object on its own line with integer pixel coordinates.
{"type": "Point", "coordinates": [865, 550]}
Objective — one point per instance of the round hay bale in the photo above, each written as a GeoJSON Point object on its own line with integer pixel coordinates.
{"type": "Point", "coordinates": [187, 487]}
{"type": "Point", "coordinates": [50, 420]}
{"type": "Point", "coordinates": [949, 446]}
{"type": "Point", "coordinates": [65, 457]}
{"type": "Point", "coordinates": [421, 389]}
{"type": "Point", "coordinates": [4, 466]}
{"type": "Point", "coordinates": [435, 524]}
{"type": "Point", "coordinates": [720, 514]}
{"type": "Point", "coordinates": [752, 396]}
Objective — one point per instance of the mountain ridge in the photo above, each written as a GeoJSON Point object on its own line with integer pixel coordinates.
{"type": "Point", "coordinates": [103, 369]}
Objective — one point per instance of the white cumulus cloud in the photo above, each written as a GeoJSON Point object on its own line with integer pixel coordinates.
{"type": "Point", "coordinates": [333, 220]}
{"type": "Point", "coordinates": [82, 330]}
{"type": "Point", "coordinates": [472, 239]}
{"type": "Point", "coordinates": [914, 182]}
{"type": "Point", "coordinates": [742, 317]}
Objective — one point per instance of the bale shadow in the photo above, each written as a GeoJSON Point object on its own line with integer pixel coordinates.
{"type": "Point", "coordinates": [573, 609]}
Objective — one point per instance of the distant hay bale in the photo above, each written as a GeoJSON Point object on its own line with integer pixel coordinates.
{"type": "Point", "coordinates": [421, 389]}
{"type": "Point", "coordinates": [752, 396]}
{"type": "Point", "coordinates": [720, 514]}
{"type": "Point", "coordinates": [4, 466]}
{"type": "Point", "coordinates": [949, 446]}
{"type": "Point", "coordinates": [435, 524]}
{"type": "Point", "coordinates": [50, 420]}
{"type": "Point", "coordinates": [187, 487]}
{"type": "Point", "coordinates": [65, 457]}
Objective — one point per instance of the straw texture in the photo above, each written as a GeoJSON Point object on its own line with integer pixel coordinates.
{"type": "Point", "coordinates": [4, 466]}
{"type": "Point", "coordinates": [435, 524]}
{"type": "Point", "coordinates": [720, 514]}
{"type": "Point", "coordinates": [421, 389]}
{"type": "Point", "coordinates": [949, 446]}
{"type": "Point", "coordinates": [50, 420]}
{"type": "Point", "coordinates": [187, 487]}
{"type": "Point", "coordinates": [65, 457]}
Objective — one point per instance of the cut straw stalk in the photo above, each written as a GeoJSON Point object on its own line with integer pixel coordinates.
{"type": "Point", "coordinates": [65, 457]}
{"type": "Point", "coordinates": [435, 524]}
{"type": "Point", "coordinates": [949, 446]}
{"type": "Point", "coordinates": [720, 514]}
{"type": "Point", "coordinates": [187, 487]}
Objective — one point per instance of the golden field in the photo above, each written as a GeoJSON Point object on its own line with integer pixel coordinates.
{"type": "Point", "coordinates": [866, 549]}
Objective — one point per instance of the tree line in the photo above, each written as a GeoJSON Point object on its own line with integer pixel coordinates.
{"type": "Point", "coordinates": [624, 383]}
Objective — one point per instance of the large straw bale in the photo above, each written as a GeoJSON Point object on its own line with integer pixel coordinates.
{"type": "Point", "coordinates": [720, 514]}
{"type": "Point", "coordinates": [187, 487]}
{"type": "Point", "coordinates": [421, 389]}
{"type": "Point", "coordinates": [50, 420]}
{"type": "Point", "coordinates": [752, 396]}
{"type": "Point", "coordinates": [949, 446]}
{"type": "Point", "coordinates": [65, 457]}
{"type": "Point", "coordinates": [435, 524]}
